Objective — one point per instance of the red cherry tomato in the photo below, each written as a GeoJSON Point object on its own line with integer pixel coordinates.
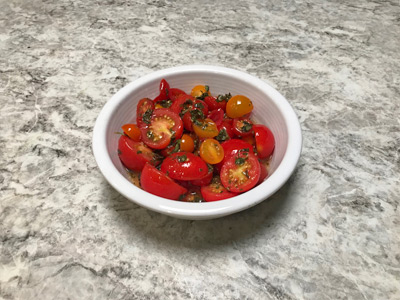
{"type": "Point", "coordinates": [265, 141]}
{"type": "Point", "coordinates": [134, 155]}
{"type": "Point", "coordinates": [164, 91]}
{"type": "Point", "coordinates": [159, 184]}
{"type": "Point", "coordinates": [205, 180]}
{"type": "Point", "coordinates": [225, 130]}
{"type": "Point", "coordinates": [263, 172]}
{"type": "Point", "coordinates": [216, 102]}
{"type": "Point", "coordinates": [240, 172]}
{"type": "Point", "coordinates": [232, 147]}
{"type": "Point", "coordinates": [174, 93]}
{"type": "Point", "coordinates": [184, 166]}
{"type": "Point", "coordinates": [216, 191]}
{"type": "Point", "coordinates": [132, 131]}
{"type": "Point", "coordinates": [217, 115]}
{"type": "Point", "coordinates": [164, 125]}
{"type": "Point", "coordinates": [144, 110]}
{"type": "Point", "coordinates": [182, 102]}
{"type": "Point", "coordinates": [242, 127]}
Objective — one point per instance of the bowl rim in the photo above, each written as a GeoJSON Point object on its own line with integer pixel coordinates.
{"type": "Point", "coordinates": [201, 210]}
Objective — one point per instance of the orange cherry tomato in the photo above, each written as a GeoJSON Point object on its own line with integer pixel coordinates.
{"type": "Point", "coordinates": [132, 131]}
{"type": "Point", "coordinates": [211, 151]}
{"type": "Point", "coordinates": [187, 143]}
{"type": "Point", "coordinates": [238, 106]}
{"type": "Point", "coordinates": [200, 91]}
{"type": "Point", "coordinates": [205, 128]}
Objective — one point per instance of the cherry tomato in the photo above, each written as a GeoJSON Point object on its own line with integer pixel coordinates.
{"type": "Point", "coordinates": [159, 184]}
{"type": "Point", "coordinates": [215, 103]}
{"type": "Point", "coordinates": [263, 172]}
{"type": "Point", "coordinates": [249, 139]}
{"type": "Point", "coordinates": [206, 179]}
{"type": "Point", "coordinates": [144, 110]}
{"type": "Point", "coordinates": [225, 130]}
{"type": "Point", "coordinates": [211, 151]}
{"type": "Point", "coordinates": [132, 131]}
{"type": "Point", "coordinates": [242, 127]}
{"type": "Point", "coordinates": [217, 115]}
{"type": "Point", "coordinates": [164, 125]}
{"type": "Point", "coordinates": [200, 91]}
{"type": "Point", "coordinates": [205, 128]}
{"type": "Point", "coordinates": [134, 155]}
{"type": "Point", "coordinates": [184, 166]}
{"type": "Point", "coordinates": [216, 191]}
{"type": "Point", "coordinates": [265, 141]}
{"type": "Point", "coordinates": [240, 172]}
{"type": "Point", "coordinates": [238, 106]}
{"type": "Point", "coordinates": [164, 90]}
{"type": "Point", "coordinates": [174, 93]}
{"type": "Point", "coordinates": [187, 143]}
{"type": "Point", "coordinates": [232, 147]}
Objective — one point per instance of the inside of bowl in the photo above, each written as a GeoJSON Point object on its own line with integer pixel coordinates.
{"type": "Point", "coordinates": [265, 110]}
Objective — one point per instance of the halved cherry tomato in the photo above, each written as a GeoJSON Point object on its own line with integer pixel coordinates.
{"type": "Point", "coordinates": [164, 125]}
{"type": "Point", "coordinates": [265, 141]}
{"type": "Point", "coordinates": [187, 143]}
{"type": "Point", "coordinates": [159, 184]}
{"type": "Point", "coordinates": [200, 91]}
{"type": "Point", "coordinates": [240, 172]}
{"type": "Point", "coordinates": [217, 115]}
{"type": "Point", "coordinates": [217, 102]}
{"type": "Point", "coordinates": [206, 179]}
{"type": "Point", "coordinates": [238, 106]}
{"type": "Point", "coordinates": [184, 166]}
{"type": "Point", "coordinates": [211, 151]}
{"type": "Point", "coordinates": [134, 155]}
{"type": "Point", "coordinates": [216, 191]}
{"type": "Point", "coordinates": [232, 147]}
{"type": "Point", "coordinates": [225, 130]}
{"type": "Point", "coordinates": [205, 128]}
{"type": "Point", "coordinates": [174, 93]}
{"type": "Point", "coordinates": [182, 102]}
{"type": "Point", "coordinates": [144, 111]}
{"type": "Point", "coordinates": [263, 172]}
{"type": "Point", "coordinates": [132, 131]}
{"type": "Point", "coordinates": [164, 90]}
{"type": "Point", "coordinates": [242, 127]}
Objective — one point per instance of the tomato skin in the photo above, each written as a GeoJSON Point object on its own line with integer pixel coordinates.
{"type": "Point", "coordinates": [207, 129]}
{"type": "Point", "coordinates": [214, 104]}
{"type": "Point", "coordinates": [184, 166]}
{"type": "Point", "coordinates": [242, 127]}
{"type": "Point", "coordinates": [181, 102]}
{"type": "Point", "coordinates": [187, 143]}
{"type": "Point", "coordinates": [134, 155]}
{"type": "Point", "coordinates": [158, 133]}
{"type": "Point", "coordinates": [240, 177]}
{"type": "Point", "coordinates": [249, 139]}
{"type": "Point", "coordinates": [227, 125]}
{"type": "Point", "coordinates": [217, 115]}
{"type": "Point", "coordinates": [211, 151]}
{"type": "Point", "coordinates": [205, 180]}
{"type": "Point", "coordinates": [265, 141]}
{"type": "Point", "coordinates": [144, 105]}
{"type": "Point", "coordinates": [164, 91]}
{"type": "Point", "coordinates": [215, 191]}
{"type": "Point", "coordinates": [132, 131]}
{"type": "Point", "coordinates": [159, 184]}
{"type": "Point", "coordinates": [174, 93]}
{"type": "Point", "coordinates": [238, 106]}
{"type": "Point", "coordinates": [263, 173]}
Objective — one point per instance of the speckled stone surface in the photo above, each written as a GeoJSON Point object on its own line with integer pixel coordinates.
{"type": "Point", "coordinates": [332, 232]}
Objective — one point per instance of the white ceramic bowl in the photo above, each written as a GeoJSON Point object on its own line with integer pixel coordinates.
{"type": "Point", "coordinates": [270, 109]}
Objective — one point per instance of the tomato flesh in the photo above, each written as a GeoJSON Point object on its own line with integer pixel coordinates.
{"type": "Point", "coordinates": [144, 109]}
{"type": "Point", "coordinates": [240, 172]}
{"type": "Point", "coordinates": [164, 126]}
{"type": "Point", "coordinates": [216, 191]}
{"type": "Point", "coordinates": [265, 141]}
{"type": "Point", "coordinates": [159, 184]}
{"type": "Point", "coordinates": [134, 155]}
{"type": "Point", "coordinates": [211, 151]}
{"type": "Point", "coordinates": [205, 128]}
{"type": "Point", "coordinates": [184, 166]}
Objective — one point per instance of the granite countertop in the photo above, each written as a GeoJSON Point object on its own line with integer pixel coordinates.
{"type": "Point", "coordinates": [332, 232]}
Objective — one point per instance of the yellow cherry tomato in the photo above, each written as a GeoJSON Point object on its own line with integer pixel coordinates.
{"type": "Point", "coordinates": [238, 106]}
{"type": "Point", "coordinates": [205, 128]}
{"type": "Point", "coordinates": [187, 143]}
{"type": "Point", "coordinates": [132, 131]}
{"type": "Point", "coordinates": [211, 151]}
{"type": "Point", "coordinates": [200, 90]}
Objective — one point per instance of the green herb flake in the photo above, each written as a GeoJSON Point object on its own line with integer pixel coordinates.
{"type": "Point", "coordinates": [207, 88]}
{"type": "Point", "coordinates": [147, 116]}
{"type": "Point", "coordinates": [138, 152]}
{"type": "Point", "coordinates": [119, 152]}
{"type": "Point", "coordinates": [199, 105]}
{"type": "Point", "coordinates": [222, 135]}
{"type": "Point", "coordinates": [239, 161]}
{"type": "Point", "coordinates": [181, 197]}
{"type": "Point", "coordinates": [165, 103]}
{"type": "Point", "coordinates": [225, 97]}
{"type": "Point", "coordinates": [181, 158]}
{"type": "Point", "coordinates": [247, 126]}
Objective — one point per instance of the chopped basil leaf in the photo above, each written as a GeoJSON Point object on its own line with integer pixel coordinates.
{"type": "Point", "coordinates": [222, 135]}
{"type": "Point", "coordinates": [165, 103]}
{"type": "Point", "coordinates": [247, 126]}
{"type": "Point", "coordinates": [147, 116]}
{"type": "Point", "coordinates": [225, 97]}
{"type": "Point", "coordinates": [199, 105]}
{"type": "Point", "coordinates": [119, 152]}
{"type": "Point", "coordinates": [181, 158]}
{"type": "Point", "coordinates": [138, 152]}
{"type": "Point", "coordinates": [239, 161]}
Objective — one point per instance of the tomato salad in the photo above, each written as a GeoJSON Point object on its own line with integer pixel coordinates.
{"type": "Point", "coordinates": [195, 147]}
